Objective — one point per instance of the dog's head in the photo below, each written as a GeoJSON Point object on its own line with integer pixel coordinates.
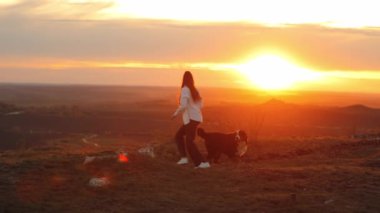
{"type": "Point", "coordinates": [201, 132]}
{"type": "Point", "coordinates": [241, 139]}
{"type": "Point", "coordinates": [241, 135]}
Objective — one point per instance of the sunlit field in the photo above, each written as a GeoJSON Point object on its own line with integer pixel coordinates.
{"type": "Point", "coordinates": [300, 157]}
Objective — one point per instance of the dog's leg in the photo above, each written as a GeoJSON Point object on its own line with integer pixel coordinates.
{"type": "Point", "coordinates": [210, 152]}
{"type": "Point", "coordinates": [216, 157]}
{"type": "Point", "coordinates": [235, 159]}
{"type": "Point", "coordinates": [209, 157]}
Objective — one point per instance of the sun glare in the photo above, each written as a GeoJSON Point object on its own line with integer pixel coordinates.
{"type": "Point", "coordinates": [271, 72]}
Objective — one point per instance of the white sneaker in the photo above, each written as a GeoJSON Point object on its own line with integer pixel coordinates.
{"type": "Point", "coordinates": [183, 161]}
{"type": "Point", "coordinates": [203, 165]}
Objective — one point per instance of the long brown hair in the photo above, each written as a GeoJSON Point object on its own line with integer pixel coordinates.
{"type": "Point", "coordinates": [188, 81]}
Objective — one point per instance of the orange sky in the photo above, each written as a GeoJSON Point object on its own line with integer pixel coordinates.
{"type": "Point", "coordinates": [222, 42]}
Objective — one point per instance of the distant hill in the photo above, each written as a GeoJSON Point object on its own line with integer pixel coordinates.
{"type": "Point", "coordinates": [277, 104]}
{"type": "Point", "coordinates": [358, 108]}
{"type": "Point", "coordinates": [274, 103]}
{"type": "Point", "coordinates": [121, 110]}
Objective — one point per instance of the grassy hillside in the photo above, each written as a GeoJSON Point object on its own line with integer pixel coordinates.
{"type": "Point", "coordinates": [301, 158]}
{"type": "Point", "coordinates": [282, 175]}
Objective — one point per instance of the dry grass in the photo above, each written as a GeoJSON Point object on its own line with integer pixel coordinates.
{"type": "Point", "coordinates": [282, 175]}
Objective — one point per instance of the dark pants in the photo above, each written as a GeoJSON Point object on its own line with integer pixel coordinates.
{"type": "Point", "coordinates": [188, 131]}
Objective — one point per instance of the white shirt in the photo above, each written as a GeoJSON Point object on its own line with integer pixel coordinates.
{"type": "Point", "coordinates": [190, 110]}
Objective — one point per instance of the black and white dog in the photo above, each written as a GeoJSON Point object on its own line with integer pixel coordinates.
{"type": "Point", "coordinates": [233, 144]}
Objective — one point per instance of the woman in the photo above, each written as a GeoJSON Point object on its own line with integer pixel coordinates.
{"type": "Point", "coordinates": [190, 104]}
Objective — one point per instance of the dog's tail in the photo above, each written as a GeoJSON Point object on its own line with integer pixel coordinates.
{"type": "Point", "coordinates": [201, 133]}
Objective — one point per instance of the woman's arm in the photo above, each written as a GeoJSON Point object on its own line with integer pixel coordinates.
{"type": "Point", "coordinates": [183, 102]}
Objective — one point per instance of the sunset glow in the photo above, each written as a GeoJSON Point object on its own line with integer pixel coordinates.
{"type": "Point", "coordinates": [269, 12]}
{"type": "Point", "coordinates": [271, 72]}
{"type": "Point", "coordinates": [268, 45]}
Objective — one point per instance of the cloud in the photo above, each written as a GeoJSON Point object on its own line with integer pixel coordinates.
{"type": "Point", "coordinates": [63, 30]}
{"type": "Point", "coordinates": [55, 9]}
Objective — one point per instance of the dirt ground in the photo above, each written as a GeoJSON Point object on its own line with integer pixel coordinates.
{"type": "Point", "coordinates": [281, 175]}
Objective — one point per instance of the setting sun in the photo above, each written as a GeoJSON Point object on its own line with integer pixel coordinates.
{"type": "Point", "coordinates": [271, 72]}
